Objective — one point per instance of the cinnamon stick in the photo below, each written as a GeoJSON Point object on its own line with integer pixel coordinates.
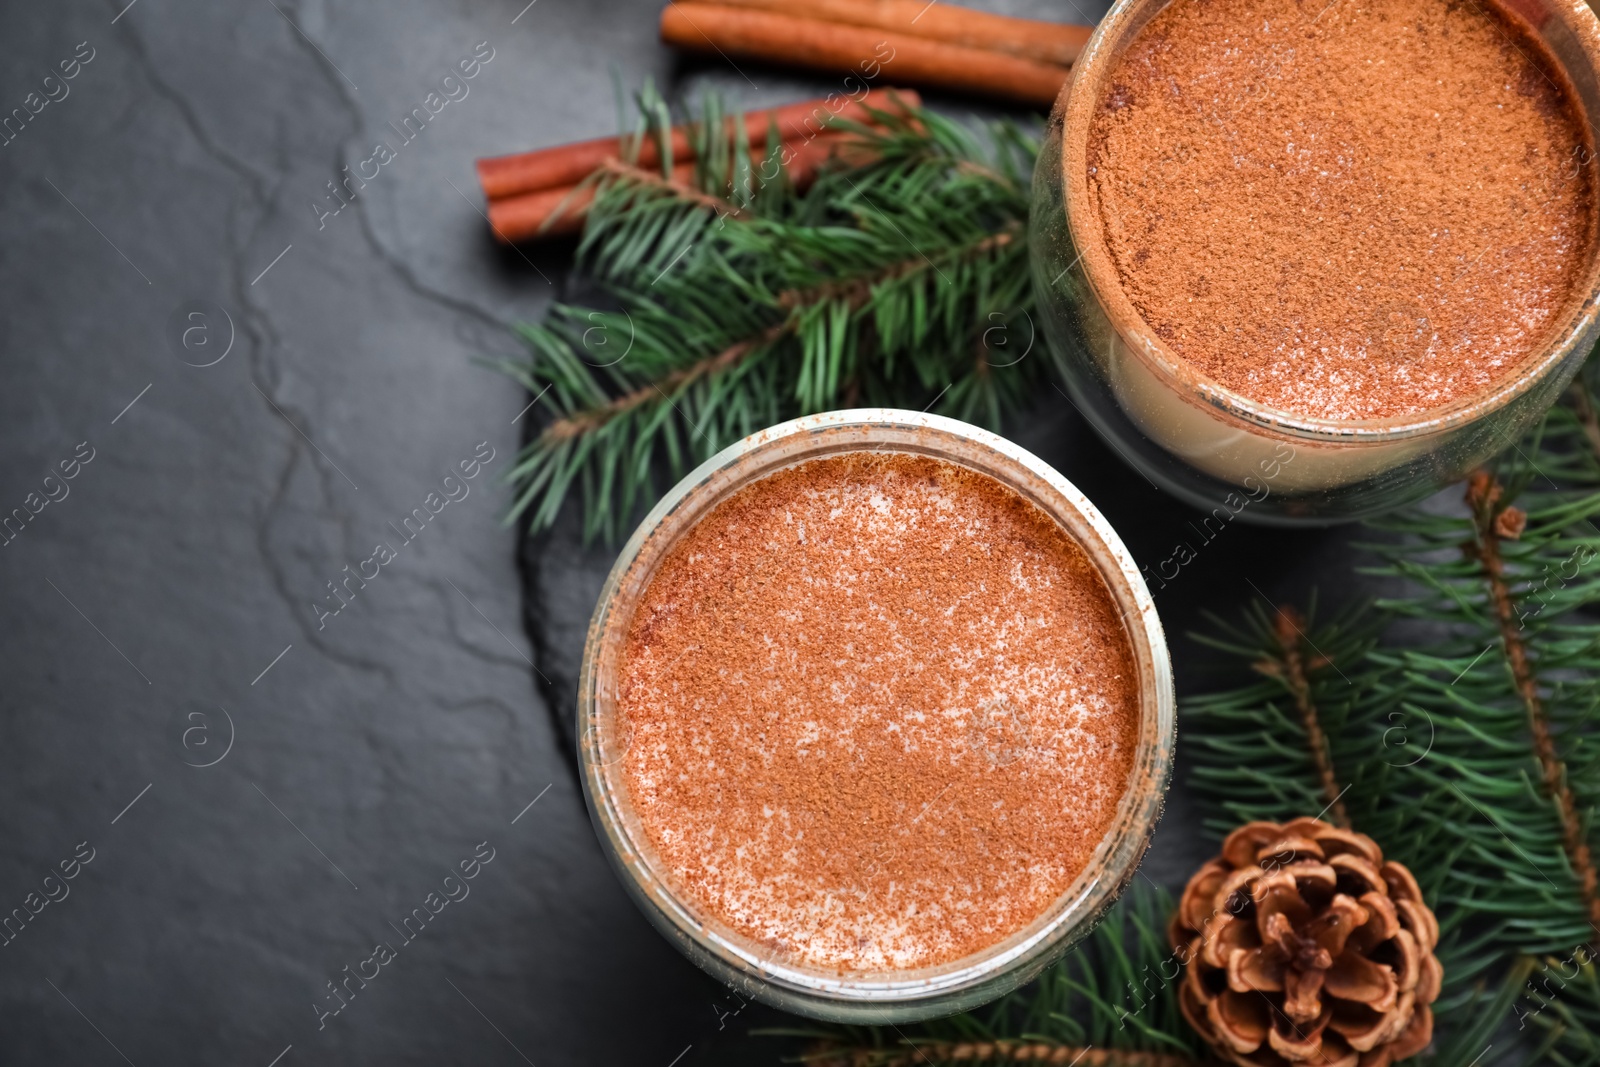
{"type": "Point", "coordinates": [566, 165]}
{"type": "Point", "coordinates": [561, 212]}
{"type": "Point", "coordinates": [1058, 43]}
{"type": "Point", "coordinates": [544, 213]}
{"type": "Point", "coordinates": [718, 29]}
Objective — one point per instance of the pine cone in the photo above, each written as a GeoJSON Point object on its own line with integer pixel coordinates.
{"type": "Point", "coordinates": [1302, 944]}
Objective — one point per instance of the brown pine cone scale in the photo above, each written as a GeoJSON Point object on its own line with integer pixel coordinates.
{"type": "Point", "coordinates": [1302, 944]}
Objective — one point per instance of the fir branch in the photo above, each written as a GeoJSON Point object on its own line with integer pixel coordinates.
{"type": "Point", "coordinates": [591, 419]}
{"type": "Point", "coordinates": [1515, 660]}
{"type": "Point", "coordinates": [898, 279]}
{"type": "Point", "coordinates": [1495, 522]}
{"type": "Point", "coordinates": [1300, 738]}
{"type": "Point", "coordinates": [687, 193]}
{"type": "Point", "coordinates": [1289, 630]}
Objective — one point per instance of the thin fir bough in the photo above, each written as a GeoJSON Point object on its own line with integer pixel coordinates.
{"type": "Point", "coordinates": [899, 278]}
{"type": "Point", "coordinates": [1510, 686]}
{"type": "Point", "coordinates": [1281, 746]}
{"type": "Point", "coordinates": [1511, 692]}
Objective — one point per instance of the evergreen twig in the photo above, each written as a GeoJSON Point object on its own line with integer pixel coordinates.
{"type": "Point", "coordinates": [1292, 666]}
{"type": "Point", "coordinates": [1293, 740]}
{"type": "Point", "coordinates": [899, 279]}
{"type": "Point", "coordinates": [1493, 523]}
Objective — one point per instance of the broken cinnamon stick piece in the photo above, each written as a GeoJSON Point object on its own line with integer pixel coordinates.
{"type": "Point", "coordinates": [837, 47]}
{"type": "Point", "coordinates": [566, 165]}
{"type": "Point", "coordinates": [1057, 43]}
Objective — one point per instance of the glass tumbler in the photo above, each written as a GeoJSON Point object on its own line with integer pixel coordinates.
{"type": "Point", "coordinates": [757, 969]}
{"type": "Point", "coordinates": [1221, 451]}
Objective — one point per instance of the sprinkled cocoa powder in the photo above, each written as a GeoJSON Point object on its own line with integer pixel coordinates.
{"type": "Point", "coordinates": [1346, 209]}
{"type": "Point", "coordinates": [880, 711]}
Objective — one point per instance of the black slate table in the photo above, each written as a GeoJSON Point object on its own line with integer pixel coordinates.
{"type": "Point", "coordinates": [254, 381]}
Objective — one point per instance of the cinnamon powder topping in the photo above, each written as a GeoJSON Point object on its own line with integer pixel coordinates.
{"type": "Point", "coordinates": [880, 711]}
{"type": "Point", "coordinates": [1345, 208]}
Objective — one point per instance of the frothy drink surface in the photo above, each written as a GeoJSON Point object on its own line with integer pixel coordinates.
{"type": "Point", "coordinates": [879, 711]}
{"type": "Point", "coordinates": [1344, 208]}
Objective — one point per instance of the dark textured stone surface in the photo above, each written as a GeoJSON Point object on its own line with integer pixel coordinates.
{"type": "Point", "coordinates": [164, 608]}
